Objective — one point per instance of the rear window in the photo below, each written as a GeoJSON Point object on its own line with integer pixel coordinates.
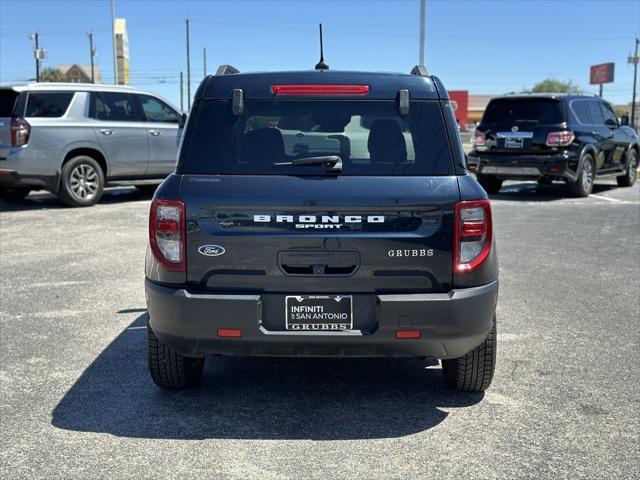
{"type": "Point", "coordinates": [524, 111]}
{"type": "Point", "coordinates": [48, 104]}
{"type": "Point", "coordinates": [7, 102]}
{"type": "Point", "coordinates": [370, 137]}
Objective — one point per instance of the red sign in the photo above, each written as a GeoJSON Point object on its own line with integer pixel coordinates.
{"type": "Point", "coordinates": [602, 73]}
{"type": "Point", "coordinates": [460, 101]}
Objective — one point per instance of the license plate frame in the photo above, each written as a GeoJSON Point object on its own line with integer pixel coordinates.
{"type": "Point", "coordinates": [337, 311]}
{"type": "Point", "coordinates": [514, 142]}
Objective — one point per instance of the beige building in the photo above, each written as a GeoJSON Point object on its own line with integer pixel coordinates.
{"type": "Point", "coordinates": [75, 73]}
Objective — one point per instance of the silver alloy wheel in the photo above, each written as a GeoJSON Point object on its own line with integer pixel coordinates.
{"type": "Point", "coordinates": [83, 182]}
{"type": "Point", "coordinates": [633, 166]}
{"type": "Point", "coordinates": [587, 175]}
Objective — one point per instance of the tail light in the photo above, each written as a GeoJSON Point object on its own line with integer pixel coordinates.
{"type": "Point", "coordinates": [560, 139]}
{"type": "Point", "coordinates": [167, 233]}
{"type": "Point", "coordinates": [473, 235]}
{"type": "Point", "coordinates": [478, 138]}
{"type": "Point", "coordinates": [20, 132]}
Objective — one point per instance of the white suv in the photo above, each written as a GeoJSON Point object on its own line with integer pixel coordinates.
{"type": "Point", "coordinates": [72, 139]}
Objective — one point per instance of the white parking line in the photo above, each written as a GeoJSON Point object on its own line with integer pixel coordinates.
{"type": "Point", "coordinates": [601, 197]}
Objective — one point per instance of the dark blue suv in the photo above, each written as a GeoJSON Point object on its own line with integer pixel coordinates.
{"type": "Point", "coordinates": [321, 213]}
{"type": "Point", "coordinates": [547, 137]}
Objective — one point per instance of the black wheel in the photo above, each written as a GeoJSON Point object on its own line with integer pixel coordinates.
{"type": "Point", "coordinates": [147, 189]}
{"type": "Point", "coordinates": [473, 372]}
{"type": "Point", "coordinates": [489, 183]}
{"type": "Point", "coordinates": [168, 368]}
{"type": "Point", "coordinates": [630, 178]}
{"type": "Point", "coordinates": [14, 194]}
{"type": "Point", "coordinates": [583, 186]}
{"type": "Point", "coordinates": [82, 182]}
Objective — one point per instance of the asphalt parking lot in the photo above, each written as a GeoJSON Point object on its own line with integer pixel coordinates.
{"type": "Point", "coordinates": [77, 402]}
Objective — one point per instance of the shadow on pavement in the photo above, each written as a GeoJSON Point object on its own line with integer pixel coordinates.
{"type": "Point", "coordinates": [257, 398]}
{"type": "Point", "coordinates": [534, 192]}
{"type": "Point", "coordinates": [42, 200]}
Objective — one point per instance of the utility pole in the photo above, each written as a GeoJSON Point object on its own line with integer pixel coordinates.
{"type": "Point", "coordinates": [92, 52]}
{"type": "Point", "coordinates": [600, 94]}
{"type": "Point", "coordinates": [423, 8]}
{"type": "Point", "coordinates": [36, 53]}
{"type": "Point", "coordinates": [188, 69]}
{"type": "Point", "coordinates": [204, 53]}
{"type": "Point", "coordinates": [181, 94]}
{"type": "Point", "coordinates": [634, 60]}
{"type": "Point", "coordinates": [113, 38]}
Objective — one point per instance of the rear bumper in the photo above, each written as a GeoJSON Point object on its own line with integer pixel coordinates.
{"type": "Point", "coordinates": [524, 167]}
{"type": "Point", "coordinates": [451, 324]}
{"type": "Point", "coordinates": [11, 178]}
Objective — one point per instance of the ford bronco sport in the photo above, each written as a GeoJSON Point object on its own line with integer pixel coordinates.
{"type": "Point", "coordinates": [321, 213]}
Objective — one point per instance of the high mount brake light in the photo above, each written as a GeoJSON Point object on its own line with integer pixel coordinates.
{"type": "Point", "coordinates": [560, 139]}
{"type": "Point", "coordinates": [320, 89]}
{"type": "Point", "coordinates": [167, 233]}
{"type": "Point", "coordinates": [473, 235]}
{"type": "Point", "coordinates": [20, 132]}
{"type": "Point", "coordinates": [478, 138]}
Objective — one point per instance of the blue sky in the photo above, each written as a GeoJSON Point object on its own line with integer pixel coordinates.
{"type": "Point", "coordinates": [482, 46]}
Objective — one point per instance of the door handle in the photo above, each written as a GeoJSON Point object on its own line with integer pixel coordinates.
{"type": "Point", "coordinates": [106, 131]}
{"type": "Point", "coordinates": [155, 133]}
{"type": "Point", "coordinates": [611, 134]}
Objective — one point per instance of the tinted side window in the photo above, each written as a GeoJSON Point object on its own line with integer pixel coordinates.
{"type": "Point", "coordinates": [157, 111]}
{"type": "Point", "coordinates": [581, 109]}
{"type": "Point", "coordinates": [113, 106]}
{"type": "Point", "coordinates": [596, 114]}
{"type": "Point", "coordinates": [7, 102]}
{"type": "Point", "coordinates": [48, 104]}
{"type": "Point", "coordinates": [524, 110]}
{"type": "Point", "coordinates": [609, 115]}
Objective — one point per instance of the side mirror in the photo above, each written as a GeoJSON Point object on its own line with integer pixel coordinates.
{"type": "Point", "coordinates": [610, 123]}
{"type": "Point", "coordinates": [182, 120]}
{"type": "Point", "coordinates": [624, 120]}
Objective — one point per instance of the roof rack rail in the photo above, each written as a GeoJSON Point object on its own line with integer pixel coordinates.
{"type": "Point", "coordinates": [226, 70]}
{"type": "Point", "coordinates": [420, 70]}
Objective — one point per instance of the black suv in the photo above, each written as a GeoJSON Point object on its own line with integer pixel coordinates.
{"type": "Point", "coordinates": [547, 137]}
{"type": "Point", "coordinates": [321, 213]}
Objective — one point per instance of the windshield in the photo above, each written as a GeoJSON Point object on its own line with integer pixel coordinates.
{"type": "Point", "coordinates": [531, 111]}
{"type": "Point", "coordinates": [370, 137]}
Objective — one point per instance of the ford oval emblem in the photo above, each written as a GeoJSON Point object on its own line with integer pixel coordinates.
{"type": "Point", "coordinates": [211, 250]}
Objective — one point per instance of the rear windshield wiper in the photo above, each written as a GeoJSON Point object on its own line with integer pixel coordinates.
{"type": "Point", "coordinates": [332, 162]}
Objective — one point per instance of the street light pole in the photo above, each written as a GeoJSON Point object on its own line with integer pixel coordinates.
{"type": "Point", "coordinates": [92, 52]}
{"type": "Point", "coordinates": [204, 53]}
{"type": "Point", "coordinates": [36, 53]}
{"type": "Point", "coordinates": [423, 9]}
{"type": "Point", "coordinates": [188, 70]}
{"type": "Point", "coordinates": [181, 94]}
{"type": "Point", "coordinates": [634, 60]}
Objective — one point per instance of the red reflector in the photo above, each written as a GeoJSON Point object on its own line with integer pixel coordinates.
{"type": "Point", "coordinates": [167, 226]}
{"type": "Point", "coordinates": [555, 169]}
{"type": "Point", "coordinates": [408, 334]}
{"type": "Point", "coordinates": [473, 229]}
{"type": "Point", "coordinates": [229, 332]}
{"type": "Point", "coordinates": [472, 168]}
{"type": "Point", "coordinates": [320, 89]}
{"type": "Point", "coordinates": [6, 172]}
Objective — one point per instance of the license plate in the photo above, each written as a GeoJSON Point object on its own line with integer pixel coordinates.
{"type": "Point", "coordinates": [513, 142]}
{"type": "Point", "coordinates": [324, 313]}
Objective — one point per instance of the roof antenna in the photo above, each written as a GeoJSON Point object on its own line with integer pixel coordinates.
{"type": "Point", "coordinates": [321, 65]}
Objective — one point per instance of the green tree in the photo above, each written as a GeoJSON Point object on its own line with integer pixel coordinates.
{"type": "Point", "coordinates": [51, 75]}
{"type": "Point", "coordinates": [553, 85]}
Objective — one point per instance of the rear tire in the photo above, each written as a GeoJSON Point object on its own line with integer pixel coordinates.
{"type": "Point", "coordinates": [630, 177]}
{"type": "Point", "coordinates": [490, 184]}
{"type": "Point", "coordinates": [169, 369]}
{"type": "Point", "coordinates": [14, 194]}
{"type": "Point", "coordinates": [473, 372]}
{"type": "Point", "coordinates": [82, 182]}
{"type": "Point", "coordinates": [583, 186]}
